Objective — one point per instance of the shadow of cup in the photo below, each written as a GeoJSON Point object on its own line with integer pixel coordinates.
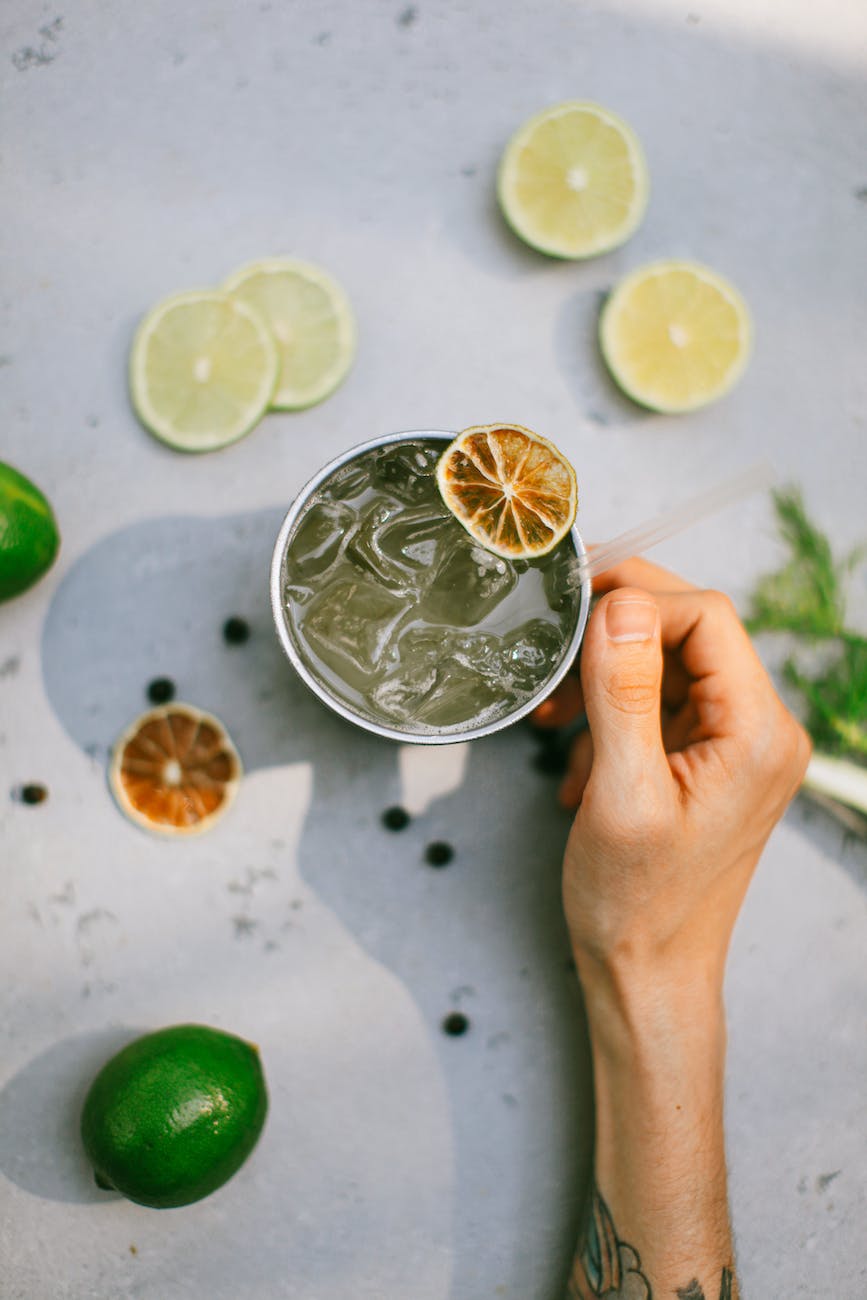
{"type": "Point", "coordinates": [40, 1112]}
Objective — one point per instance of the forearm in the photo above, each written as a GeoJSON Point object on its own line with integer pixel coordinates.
{"type": "Point", "coordinates": [657, 1222]}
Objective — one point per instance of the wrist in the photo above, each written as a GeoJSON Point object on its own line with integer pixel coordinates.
{"type": "Point", "coordinates": [644, 1011]}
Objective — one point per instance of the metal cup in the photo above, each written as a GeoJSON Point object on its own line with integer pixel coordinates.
{"type": "Point", "coordinates": [435, 736]}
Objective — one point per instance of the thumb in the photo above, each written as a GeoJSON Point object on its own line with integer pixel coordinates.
{"type": "Point", "coordinates": [621, 674]}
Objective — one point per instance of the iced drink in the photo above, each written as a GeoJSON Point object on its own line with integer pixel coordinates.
{"type": "Point", "coordinates": [406, 620]}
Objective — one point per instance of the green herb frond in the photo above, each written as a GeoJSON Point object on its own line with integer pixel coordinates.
{"type": "Point", "coordinates": [806, 596]}
{"type": "Point", "coordinates": [836, 699]}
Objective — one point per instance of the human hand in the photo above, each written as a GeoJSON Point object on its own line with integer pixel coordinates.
{"type": "Point", "coordinates": [689, 761]}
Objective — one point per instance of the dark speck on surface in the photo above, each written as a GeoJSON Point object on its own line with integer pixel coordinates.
{"type": "Point", "coordinates": [824, 1180]}
{"type": "Point", "coordinates": [33, 793]}
{"type": "Point", "coordinates": [861, 195]}
{"type": "Point", "coordinates": [88, 919]}
{"type": "Point", "coordinates": [322, 38]}
{"type": "Point", "coordinates": [598, 417]}
{"type": "Point", "coordinates": [455, 1024]}
{"type": "Point", "coordinates": [161, 690]}
{"type": "Point", "coordinates": [10, 666]}
{"type": "Point", "coordinates": [32, 56]}
{"type": "Point", "coordinates": [407, 16]}
{"type": "Point", "coordinates": [439, 854]}
{"type": "Point", "coordinates": [244, 925]}
{"type": "Point", "coordinates": [469, 170]}
{"type": "Point", "coordinates": [395, 819]}
{"type": "Point", "coordinates": [236, 630]}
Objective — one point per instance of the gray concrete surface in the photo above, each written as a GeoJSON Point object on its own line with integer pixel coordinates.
{"type": "Point", "coordinates": [152, 148]}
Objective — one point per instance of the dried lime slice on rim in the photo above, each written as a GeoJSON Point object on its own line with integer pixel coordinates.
{"type": "Point", "coordinates": [512, 490]}
{"type": "Point", "coordinates": [573, 180]}
{"type": "Point", "coordinates": [311, 320]}
{"type": "Point", "coordinates": [675, 335]}
{"type": "Point", "coordinates": [202, 370]}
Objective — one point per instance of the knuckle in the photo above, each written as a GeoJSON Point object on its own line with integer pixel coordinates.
{"type": "Point", "coordinates": [800, 747]}
{"type": "Point", "coordinates": [632, 690]}
{"type": "Point", "coordinates": [779, 745]}
{"type": "Point", "coordinates": [721, 604]}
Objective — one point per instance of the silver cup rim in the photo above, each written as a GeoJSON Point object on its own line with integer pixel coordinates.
{"type": "Point", "coordinates": [343, 709]}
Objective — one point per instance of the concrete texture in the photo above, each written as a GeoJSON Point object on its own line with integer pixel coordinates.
{"type": "Point", "coordinates": [156, 148]}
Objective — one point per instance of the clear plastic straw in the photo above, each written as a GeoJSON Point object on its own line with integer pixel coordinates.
{"type": "Point", "coordinates": [637, 540]}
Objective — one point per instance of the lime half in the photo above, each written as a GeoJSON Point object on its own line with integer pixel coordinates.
{"type": "Point", "coordinates": [311, 321]}
{"type": "Point", "coordinates": [573, 180]}
{"type": "Point", "coordinates": [675, 335]}
{"type": "Point", "coordinates": [28, 533]}
{"type": "Point", "coordinates": [202, 370]}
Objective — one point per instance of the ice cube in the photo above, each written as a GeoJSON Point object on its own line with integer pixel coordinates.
{"type": "Point", "coordinates": [523, 659]}
{"type": "Point", "coordinates": [317, 541]}
{"type": "Point", "coordinates": [401, 692]}
{"type": "Point", "coordinates": [469, 583]}
{"type": "Point", "coordinates": [407, 471]}
{"type": "Point", "coordinates": [347, 482]}
{"type": "Point", "coordinates": [460, 694]}
{"type": "Point", "coordinates": [365, 551]}
{"type": "Point", "coordinates": [560, 578]}
{"type": "Point", "coordinates": [414, 536]}
{"type": "Point", "coordinates": [349, 625]}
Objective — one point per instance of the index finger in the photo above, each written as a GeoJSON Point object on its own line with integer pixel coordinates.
{"type": "Point", "coordinates": [636, 572]}
{"type": "Point", "coordinates": [716, 651]}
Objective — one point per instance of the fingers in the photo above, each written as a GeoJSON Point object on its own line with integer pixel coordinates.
{"type": "Point", "coordinates": [703, 626]}
{"type": "Point", "coordinates": [562, 706]}
{"type": "Point", "coordinates": [621, 673]}
{"type": "Point", "coordinates": [578, 773]}
{"type": "Point", "coordinates": [636, 572]}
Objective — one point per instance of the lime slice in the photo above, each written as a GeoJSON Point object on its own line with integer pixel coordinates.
{"type": "Point", "coordinates": [675, 335]}
{"type": "Point", "coordinates": [175, 771]}
{"type": "Point", "coordinates": [312, 323]}
{"type": "Point", "coordinates": [573, 180]}
{"type": "Point", "coordinates": [202, 370]}
{"type": "Point", "coordinates": [512, 490]}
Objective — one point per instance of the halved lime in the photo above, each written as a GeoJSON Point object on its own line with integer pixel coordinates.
{"type": "Point", "coordinates": [28, 533]}
{"type": "Point", "coordinates": [311, 320]}
{"type": "Point", "coordinates": [573, 180]}
{"type": "Point", "coordinates": [202, 370]}
{"type": "Point", "coordinates": [675, 335]}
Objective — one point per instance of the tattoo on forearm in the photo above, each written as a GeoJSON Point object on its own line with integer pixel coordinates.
{"type": "Point", "coordinates": [695, 1291]}
{"type": "Point", "coordinates": [607, 1268]}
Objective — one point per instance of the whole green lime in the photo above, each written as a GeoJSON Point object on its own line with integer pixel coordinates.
{"type": "Point", "coordinates": [174, 1114]}
{"type": "Point", "coordinates": [28, 533]}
